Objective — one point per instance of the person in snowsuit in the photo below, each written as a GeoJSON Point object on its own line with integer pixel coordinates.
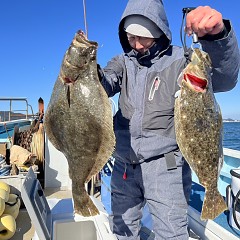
{"type": "Point", "coordinates": [149, 168]}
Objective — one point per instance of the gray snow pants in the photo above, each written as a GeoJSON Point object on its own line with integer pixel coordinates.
{"type": "Point", "coordinates": [165, 191]}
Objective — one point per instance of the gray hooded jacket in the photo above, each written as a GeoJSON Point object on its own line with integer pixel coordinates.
{"type": "Point", "coordinates": [144, 123]}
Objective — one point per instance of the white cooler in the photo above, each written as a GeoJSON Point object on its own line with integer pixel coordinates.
{"type": "Point", "coordinates": [54, 219]}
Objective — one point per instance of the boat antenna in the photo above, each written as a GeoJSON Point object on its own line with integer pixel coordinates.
{"type": "Point", "coordinates": [85, 18]}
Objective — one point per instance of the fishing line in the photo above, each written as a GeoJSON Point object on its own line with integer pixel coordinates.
{"type": "Point", "coordinates": [183, 40]}
{"type": "Point", "coordinates": [85, 18]}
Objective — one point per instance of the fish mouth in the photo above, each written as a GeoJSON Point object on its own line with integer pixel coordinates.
{"type": "Point", "coordinates": [81, 38]}
{"type": "Point", "coordinates": [196, 83]}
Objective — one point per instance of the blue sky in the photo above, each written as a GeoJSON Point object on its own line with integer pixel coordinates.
{"type": "Point", "coordinates": [34, 35]}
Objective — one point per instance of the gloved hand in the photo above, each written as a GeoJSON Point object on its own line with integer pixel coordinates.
{"type": "Point", "coordinates": [100, 72]}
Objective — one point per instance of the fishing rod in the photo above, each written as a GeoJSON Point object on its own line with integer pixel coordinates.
{"type": "Point", "coordinates": [85, 18]}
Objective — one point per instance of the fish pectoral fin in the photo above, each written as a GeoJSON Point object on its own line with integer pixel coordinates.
{"type": "Point", "coordinates": [213, 205]}
{"type": "Point", "coordinates": [177, 93]}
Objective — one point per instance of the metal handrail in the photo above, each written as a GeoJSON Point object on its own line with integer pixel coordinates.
{"type": "Point", "coordinates": [11, 110]}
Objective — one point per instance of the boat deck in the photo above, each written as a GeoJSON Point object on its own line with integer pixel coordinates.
{"type": "Point", "coordinates": [196, 202]}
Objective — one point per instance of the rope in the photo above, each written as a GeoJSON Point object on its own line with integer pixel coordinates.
{"type": "Point", "coordinates": [37, 144]}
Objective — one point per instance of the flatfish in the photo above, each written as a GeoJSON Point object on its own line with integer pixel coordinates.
{"type": "Point", "coordinates": [78, 120]}
{"type": "Point", "coordinates": [198, 126]}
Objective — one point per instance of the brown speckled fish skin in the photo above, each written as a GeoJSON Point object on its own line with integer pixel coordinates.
{"type": "Point", "coordinates": [78, 120]}
{"type": "Point", "coordinates": [198, 126]}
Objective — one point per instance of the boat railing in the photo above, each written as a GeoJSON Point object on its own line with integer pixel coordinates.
{"type": "Point", "coordinates": [231, 153]}
{"type": "Point", "coordinates": [13, 114]}
{"type": "Point", "coordinates": [231, 161]}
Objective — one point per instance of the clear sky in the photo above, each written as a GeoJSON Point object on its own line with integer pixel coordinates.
{"type": "Point", "coordinates": [34, 35]}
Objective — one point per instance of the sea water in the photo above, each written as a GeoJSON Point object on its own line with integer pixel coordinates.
{"type": "Point", "coordinates": [231, 135]}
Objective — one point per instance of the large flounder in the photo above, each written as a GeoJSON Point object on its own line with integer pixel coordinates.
{"type": "Point", "coordinates": [78, 119]}
{"type": "Point", "coordinates": [198, 125]}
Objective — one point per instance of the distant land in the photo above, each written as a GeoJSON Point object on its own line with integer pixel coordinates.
{"type": "Point", "coordinates": [230, 120]}
{"type": "Point", "coordinates": [8, 115]}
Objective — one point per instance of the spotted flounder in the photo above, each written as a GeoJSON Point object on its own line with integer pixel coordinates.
{"type": "Point", "coordinates": [78, 119]}
{"type": "Point", "coordinates": [198, 126]}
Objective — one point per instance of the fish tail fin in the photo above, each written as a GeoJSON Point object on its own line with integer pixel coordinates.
{"type": "Point", "coordinates": [213, 205]}
{"type": "Point", "coordinates": [83, 204]}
